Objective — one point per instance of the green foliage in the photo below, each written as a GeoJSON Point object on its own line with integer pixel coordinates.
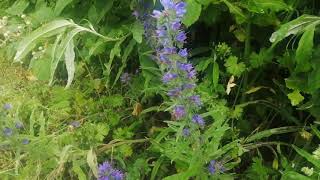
{"type": "Point", "coordinates": [258, 78]}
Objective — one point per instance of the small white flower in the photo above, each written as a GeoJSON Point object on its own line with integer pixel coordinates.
{"type": "Point", "coordinates": [33, 53]}
{"type": "Point", "coordinates": [40, 48]}
{"type": "Point", "coordinates": [28, 22]}
{"type": "Point", "coordinates": [23, 16]}
{"type": "Point", "coordinates": [307, 171]}
{"type": "Point", "coordinates": [5, 18]}
{"type": "Point", "coordinates": [19, 27]}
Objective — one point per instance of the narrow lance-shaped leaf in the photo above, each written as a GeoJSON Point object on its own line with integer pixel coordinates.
{"type": "Point", "coordinates": [304, 50]}
{"type": "Point", "coordinates": [70, 64]}
{"type": "Point", "coordinates": [308, 156]}
{"type": "Point", "coordinates": [294, 27]}
{"type": "Point", "coordinates": [27, 44]}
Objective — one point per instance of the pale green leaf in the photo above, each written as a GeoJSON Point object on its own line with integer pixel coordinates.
{"type": "Point", "coordinates": [193, 12]}
{"type": "Point", "coordinates": [92, 162]}
{"type": "Point", "coordinates": [69, 56]}
{"type": "Point", "coordinates": [295, 97]}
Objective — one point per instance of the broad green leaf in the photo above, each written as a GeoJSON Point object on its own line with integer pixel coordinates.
{"type": "Point", "coordinates": [78, 171]}
{"type": "Point", "coordinates": [236, 11]}
{"type": "Point", "coordinates": [69, 56]}
{"type": "Point", "coordinates": [27, 44]}
{"type": "Point", "coordinates": [60, 5]}
{"type": "Point", "coordinates": [193, 12]}
{"type": "Point", "coordinates": [137, 31]}
{"type": "Point", "coordinates": [92, 162]}
{"type": "Point", "coordinates": [307, 156]}
{"type": "Point", "coordinates": [295, 97]}
{"type": "Point", "coordinates": [18, 7]}
{"type": "Point", "coordinates": [304, 50]}
{"type": "Point", "coordinates": [233, 67]}
{"type": "Point", "coordinates": [40, 68]}
{"type": "Point", "coordinates": [262, 6]}
{"type": "Point", "coordinates": [294, 27]}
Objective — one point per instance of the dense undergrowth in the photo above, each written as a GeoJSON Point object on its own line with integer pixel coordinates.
{"type": "Point", "coordinates": [169, 89]}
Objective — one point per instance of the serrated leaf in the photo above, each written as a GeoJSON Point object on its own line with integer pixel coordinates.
{"type": "Point", "coordinates": [233, 67]}
{"type": "Point", "coordinates": [304, 50]}
{"type": "Point", "coordinates": [295, 97]}
{"type": "Point", "coordinates": [137, 31]}
{"type": "Point", "coordinates": [193, 12]}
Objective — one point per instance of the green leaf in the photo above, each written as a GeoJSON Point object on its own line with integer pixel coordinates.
{"type": "Point", "coordinates": [270, 132]}
{"type": "Point", "coordinates": [315, 131]}
{"type": "Point", "coordinates": [137, 31]}
{"type": "Point", "coordinates": [69, 56]}
{"type": "Point", "coordinates": [92, 162]}
{"type": "Point", "coordinates": [193, 12]}
{"type": "Point", "coordinates": [233, 67]}
{"type": "Point", "coordinates": [307, 156]}
{"type": "Point", "coordinates": [304, 50]}
{"type": "Point", "coordinates": [18, 7]}
{"type": "Point", "coordinates": [27, 44]}
{"type": "Point", "coordinates": [294, 27]}
{"type": "Point", "coordinates": [262, 6]}
{"type": "Point", "coordinates": [236, 11]}
{"type": "Point", "coordinates": [289, 175]}
{"type": "Point", "coordinates": [215, 74]}
{"type": "Point", "coordinates": [295, 97]}
{"type": "Point", "coordinates": [60, 5]}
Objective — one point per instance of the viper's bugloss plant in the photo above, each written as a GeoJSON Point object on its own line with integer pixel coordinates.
{"type": "Point", "coordinates": [179, 76]}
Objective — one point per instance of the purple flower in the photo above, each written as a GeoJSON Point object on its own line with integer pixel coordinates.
{"type": "Point", "coordinates": [117, 174]}
{"type": "Point", "coordinates": [7, 131]}
{"type": "Point", "coordinates": [125, 78]}
{"type": "Point", "coordinates": [25, 141]}
{"type": "Point", "coordinates": [186, 132]}
{"type": "Point", "coordinates": [185, 67]}
{"type": "Point", "coordinates": [188, 86]}
{"type": "Point", "coordinates": [135, 14]}
{"type": "Point", "coordinates": [167, 4]}
{"type": "Point", "coordinates": [75, 124]}
{"type": "Point", "coordinates": [19, 125]}
{"type": "Point", "coordinates": [168, 77]}
{"type": "Point", "coordinates": [192, 74]}
{"type": "Point", "coordinates": [161, 32]}
{"type": "Point", "coordinates": [179, 112]}
{"type": "Point", "coordinates": [7, 106]}
{"type": "Point", "coordinates": [107, 172]}
{"type": "Point", "coordinates": [196, 100]}
{"type": "Point", "coordinates": [198, 120]}
{"type": "Point", "coordinates": [181, 37]}
{"type": "Point", "coordinates": [156, 14]}
{"type": "Point", "coordinates": [211, 167]}
{"type": "Point", "coordinates": [183, 52]}
{"type": "Point", "coordinates": [215, 166]}
{"type": "Point", "coordinates": [169, 50]}
{"type": "Point", "coordinates": [175, 25]}
{"type": "Point", "coordinates": [174, 92]}
{"type": "Point", "coordinates": [181, 9]}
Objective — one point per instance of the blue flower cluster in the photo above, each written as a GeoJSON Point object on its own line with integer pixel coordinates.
{"type": "Point", "coordinates": [108, 172]}
{"type": "Point", "coordinates": [179, 76]}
